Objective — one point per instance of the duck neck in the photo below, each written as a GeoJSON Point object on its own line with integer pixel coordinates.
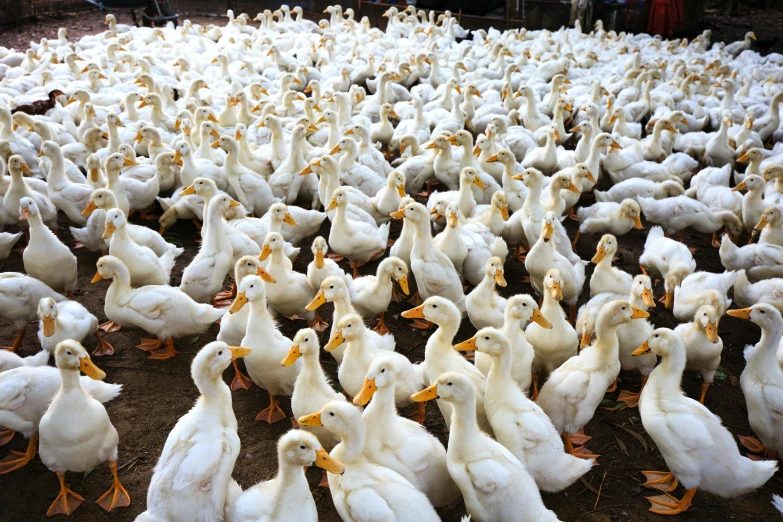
{"type": "Point", "coordinates": [313, 373]}
{"type": "Point", "coordinates": [500, 371]}
{"type": "Point", "coordinates": [214, 229]}
{"type": "Point", "coordinates": [69, 378]}
{"type": "Point", "coordinates": [763, 356]}
{"type": "Point", "coordinates": [667, 376]}
{"type": "Point", "coordinates": [464, 427]}
{"type": "Point", "coordinates": [381, 408]}
{"type": "Point", "coordinates": [215, 396]}
{"type": "Point", "coordinates": [606, 338]}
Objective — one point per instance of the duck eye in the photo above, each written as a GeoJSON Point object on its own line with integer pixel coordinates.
{"type": "Point", "coordinates": [69, 353]}
{"type": "Point", "coordinates": [331, 287]}
{"type": "Point", "coordinates": [449, 384]}
{"type": "Point", "coordinates": [762, 311]}
{"type": "Point", "coordinates": [331, 414]}
{"type": "Point", "coordinates": [302, 447]}
{"type": "Point", "coordinates": [383, 370]}
{"type": "Point", "coordinates": [307, 339]}
{"type": "Point", "coordinates": [434, 306]}
{"type": "Point", "coordinates": [220, 352]}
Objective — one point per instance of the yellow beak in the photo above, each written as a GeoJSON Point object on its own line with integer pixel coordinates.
{"type": "Point", "coordinates": [89, 369]}
{"type": "Point", "coordinates": [293, 354]}
{"type": "Point", "coordinates": [336, 340]}
{"type": "Point", "coordinates": [48, 325]}
{"type": "Point", "coordinates": [319, 298]}
{"type": "Point", "coordinates": [643, 349]}
{"type": "Point", "coordinates": [239, 301]}
{"type": "Point", "coordinates": [366, 393]}
{"type": "Point", "coordinates": [427, 394]}
{"type": "Point", "coordinates": [743, 313]}
{"type": "Point", "coordinates": [108, 231]}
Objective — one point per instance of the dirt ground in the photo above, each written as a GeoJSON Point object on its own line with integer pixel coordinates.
{"type": "Point", "coordinates": [157, 393]}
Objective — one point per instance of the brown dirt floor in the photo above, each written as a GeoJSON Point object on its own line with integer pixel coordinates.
{"type": "Point", "coordinates": [157, 393]}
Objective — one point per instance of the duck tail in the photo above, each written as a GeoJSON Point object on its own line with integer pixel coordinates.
{"type": "Point", "coordinates": [778, 503]}
{"type": "Point", "coordinates": [208, 314]}
{"type": "Point", "coordinates": [566, 470]}
{"type": "Point", "coordinates": [499, 248]}
{"type": "Point", "coordinates": [384, 232]}
{"type": "Point", "coordinates": [601, 196]}
{"type": "Point", "coordinates": [39, 359]}
{"type": "Point", "coordinates": [750, 475]}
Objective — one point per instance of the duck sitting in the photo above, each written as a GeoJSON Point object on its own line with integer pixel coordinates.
{"type": "Point", "coordinates": [484, 306]}
{"type": "Point", "coordinates": [312, 388]}
{"type": "Point", "coordinates": [679, 425]}
{"type": "Point", "coordinates": [764, 291]}
{"type": "Point", "coordinates": [159, 309]}
{"type": "Point", "coordinates": [392, 494]}
{"type": "Point", "coordinates": [207, 433]}
{"type": "Point", "coordinates": [519, 423]}
{"type": "Point", "coordinates": [759, 261]}
{"type": "Point", "coordinates": [615, 218]}
{"type": "Point", "coordinates": [639, 187]}
{"type": "Point", "coordinates": [575, 389]}
{"type": "Point", "coordinates": [762, 379]}
{"type": "Point", "coordinates": [359, 241]}
{"type": "Point", "coordinates": [702, 288]}
{"type": "Point", "coordinates": [678, 213]}
{"type": "Point", "coordinates": [288, 494]}
{"type": "Point", "coordinates": [371, 295]}
{"type": "Point", "coordinates": [268, 347]}
{"type": "Point", "coordinates": [398, 443]}
{"type": "Point", "coordinates": [76, 433]}
{"type": "Point", "coordinates": [359, 354]}
{"type": "Point", "coordinates": [19, 298]}
{"type": "Point", "coordinates": [45, 257]}
{"type": "Point", "coordinates": [703, 345]}
{"type": "Point", "coordinates": [475, 461]}
{"type": "Point", "coordinates": [145, 267]}
{"type": "Point", "coordinates": [607, 278]}
{"type": "Point", "coordinates": [67, 320]}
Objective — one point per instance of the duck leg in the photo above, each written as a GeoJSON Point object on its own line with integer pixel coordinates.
{"type": "Point", "coordinates": [103, 348]}
{"type": "Point", "coordinates": [576, 238]}
{"type": "Point", "coordinates": [520, 253]}
{"type": "Point", "coordinates": [381, 326]}
{"type": "Point", "coordinates": [680, 235]}
{"type": "Point", "coordinates": [577, 451]}
{"type": "Point", "coordinates": [117, 496]}
{"type": "Point", "coordinates": [572, 214]}
{"type": "Point", "coordinates": [273, 413]}
{"type": "Point", "coordinates": [335, 257]}
{"type": "Point", "coordinates": [18, 459]}
{"type": "Point", "coordinates": [754, 445]}
{"type": "Point", "coordinates": [109, 327]}
{"type": "Point", "coordinates": [668, 505]}
{"type": "Point", "coordinates": [324, 481]}
{"type": "Point", "coordinates": [17, 342]}
{"type": "Point", "coordinates": [704, 387]}
{"type": "Point", "coordinates": [421, 324]}
{"type": "Point", "coordinates": [318, 324]}
{"type": "Point", "coordinates": [613, 387]}
{"type": "Point", "coordinates": [660, 480]}
{"type": "Point", "coordinates": [241, 381]}
{"type": "Point", "coordinates": [67, 501]}
{"type": "Point", "coordinates": [716, 242]}
{"type": "Point", "coordinates": [631, 399]}
{"type": "Point", "coordinates": [535, 387]}
{"type": "Point", "coordinates": [149, 345]}
{"type": "Point", "coordinates": [197, 223]}
{"type": "Point", "coordinates": [420, 414]}
{"type": "Point", "coordinates": [6, 436]}
{"type": "Point", "coordinates": [165, 353]}
{"type": "Point", "coordinates": [225, 295]}
{"type": "Point", "coordinates": [415, 299]}
{"type": "Point", "coordinates": [572, 314]}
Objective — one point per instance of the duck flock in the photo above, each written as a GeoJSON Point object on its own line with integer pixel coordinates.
{"type": "Point", "coordinates": [482, 144]}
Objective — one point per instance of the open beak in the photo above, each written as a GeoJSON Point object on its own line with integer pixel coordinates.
{"type": "Point", "coordinates": [89, 369]}
{"type": "Point", "coordinates": [427, 394]}
{"type": "Point", "coordinates": [336, 340]}
{"type": "Point", "coordinates": [366, 393]}
{"type": "Point", "coordinates": [319, 298]}
{"type": "Point", "coordinates": [293, 354]}
{"type": "Point", "coordinates": [239, 301]}
{"type": "Point", "coordinates": [643, 349]}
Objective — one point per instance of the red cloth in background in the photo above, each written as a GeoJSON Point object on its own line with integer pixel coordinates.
{"type": "Point", "coordinates": [665, 16]}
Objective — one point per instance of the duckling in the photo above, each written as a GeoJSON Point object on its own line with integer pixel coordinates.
{"type": "Point", "coordinates": [45, 257]}
{"type": "Point", "coordinates": [484, 306]}
{"type": "Point", "coordinates": [770, 224]}
{"type": "Point", "coordinates": [76, 433]}
{"type": "Point", "coordinates": [390, 492]}
{"type": "Point", "coordinates": [475, 460]}
{"type": "Point", "coordinates": [398, 443]}
{"type": "Point", "coordinates": [288, 494]}
{"type": "Point", "coordinates": [371, 295]}
{"type": "Point", "coordinates": [520, 424]}
{"type": "Point", "coordinates": [312, 388]}
{"type": "Point", "coordinates": [206, 434]}
{"type": "Point", "coordinates": [607, 278]}
{"type": "Point", "coordinates": [268, 347]}
{"type": "Point", "coordinates": [575, 389]}
{"type": "Point", "coordinates": [762, 378]}
{"type": "Point", "coordinates": [679, 425]}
